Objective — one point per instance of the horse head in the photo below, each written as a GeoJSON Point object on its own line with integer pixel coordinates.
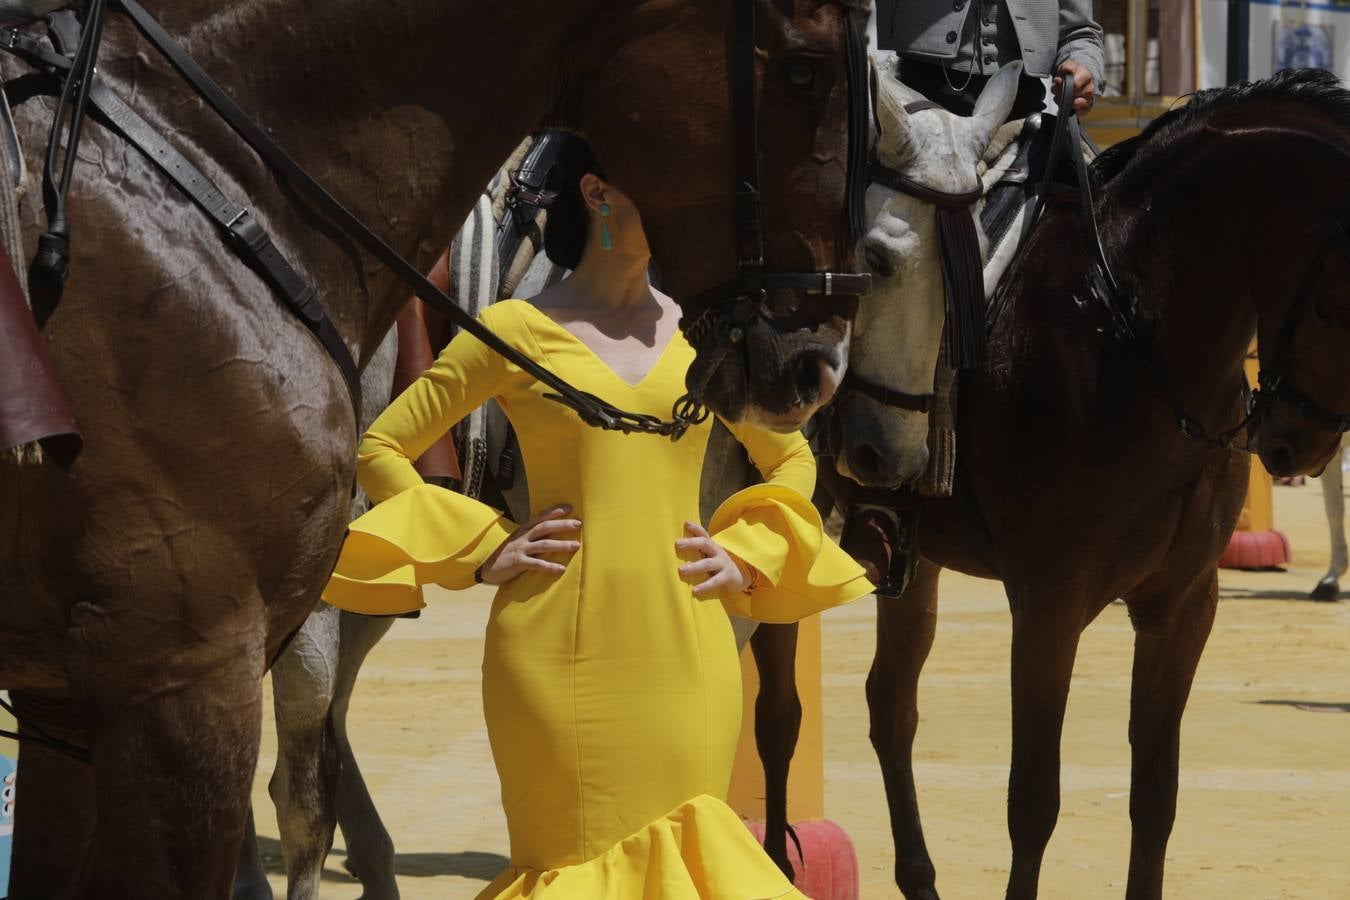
{"type": "Point", "coordinates": [899, 325]}
{"type": "Point", "coordinates": [1303, 337]}
{"type": "Point", "coordinates": [660, 112]}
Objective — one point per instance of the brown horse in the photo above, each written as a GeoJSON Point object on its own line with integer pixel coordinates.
{"type": "Point", "coordinates": [143, 595]}
{"type": "Point", "coordinates": [1076, 486]}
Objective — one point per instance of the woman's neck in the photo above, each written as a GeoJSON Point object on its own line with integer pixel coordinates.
{"type": "Point", "coordinates": [605, 280]}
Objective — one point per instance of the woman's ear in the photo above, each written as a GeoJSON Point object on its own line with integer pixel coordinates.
{"type": "Point", "coordinates": [593, 190]}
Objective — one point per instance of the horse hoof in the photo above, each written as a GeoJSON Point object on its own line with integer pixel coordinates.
{"type": "Point", "coordinates": [1328, 589]}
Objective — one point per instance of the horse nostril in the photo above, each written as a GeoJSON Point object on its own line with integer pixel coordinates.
{"type": "Point", "coordinates": [866, 463]}
{"type": "Point", "coordinates": [1281, 460]}
{"type": "Point", "coordinates": [807, 382]}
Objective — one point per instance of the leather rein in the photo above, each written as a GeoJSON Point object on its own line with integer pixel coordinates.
{"type": "Point", "coordinates": [82, 87]}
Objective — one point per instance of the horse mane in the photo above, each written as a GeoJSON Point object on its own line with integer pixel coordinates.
{"type": "Point", "coordinates": [1316, 88]}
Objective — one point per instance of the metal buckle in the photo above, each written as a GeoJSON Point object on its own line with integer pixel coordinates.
{"type": "Point", "coordinates": [234, 219]}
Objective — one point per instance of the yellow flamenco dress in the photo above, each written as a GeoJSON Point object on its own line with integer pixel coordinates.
{"type": "Point", "coordinates": [612, 695]}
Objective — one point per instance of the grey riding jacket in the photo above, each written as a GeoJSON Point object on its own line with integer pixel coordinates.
{"type": "Point", "coordinates": [982, 35]}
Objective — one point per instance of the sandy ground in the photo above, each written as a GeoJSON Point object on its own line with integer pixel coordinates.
{"type": "Point", "coordinates": [1264, 810]}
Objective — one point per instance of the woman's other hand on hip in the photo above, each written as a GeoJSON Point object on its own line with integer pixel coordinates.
{"type": "Point", "coordinates": [717, 570]}
{"type": "Point", "coordinates": [523, 550]}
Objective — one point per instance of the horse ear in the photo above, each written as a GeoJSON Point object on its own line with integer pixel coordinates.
{"type": "Point", "coordinates": [891, 95]}
{"type": "Point", "coordinates": [996, 101]}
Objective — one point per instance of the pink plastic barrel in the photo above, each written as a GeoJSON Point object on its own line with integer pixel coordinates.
{"type": "Point", "coordinates": [827, 868]}
{"type": "Point", "coordinates": [1255, 550]}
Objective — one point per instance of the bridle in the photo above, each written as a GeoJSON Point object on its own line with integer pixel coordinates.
{"type": "Point", "coordinates": [82, 86]}
{"type": "Point", "coordinates": [718, 317]}
{"type": "Point", "coordinates": [962, 275]}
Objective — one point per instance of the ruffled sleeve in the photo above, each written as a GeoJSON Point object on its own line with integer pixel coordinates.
{"type": "Point", "coordinates": [418, 533]}
{"type": "Point", "coordinates": [775, 528]}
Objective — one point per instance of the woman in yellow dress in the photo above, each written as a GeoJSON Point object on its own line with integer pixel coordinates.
{"type": "Point", "coordinates": [611, 684]}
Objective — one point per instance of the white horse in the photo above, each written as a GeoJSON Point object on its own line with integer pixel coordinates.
{"type": "Point", "coordinates": [898, 330]}
{"type": "Point", "coordinates": [1333, 500]}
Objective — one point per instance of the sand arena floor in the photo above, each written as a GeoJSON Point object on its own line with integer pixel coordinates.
{"type": "Point", "coordinates": [1264, 810]}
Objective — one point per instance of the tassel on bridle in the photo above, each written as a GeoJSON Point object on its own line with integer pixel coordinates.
{"type": "Point", "coordinates": [963, 284]}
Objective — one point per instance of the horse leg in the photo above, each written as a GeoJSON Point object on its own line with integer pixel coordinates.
{"type": "Point", "coordinates": [1333, 500]}
{"type": "Point", "coordinates": [304, 783]}
{"type": "Point", "coordinates": [175, 742]}
{"type": "Point", "coordinates": [1045, 642]}
{"type": "Point", "coordinates": [906, 627]}
{"type": "Point", "coordinates": [55, 818]}
{"type": "Point", "coordinates": [250, 881]}
{"type": "Point", "coordinates": [778, 721]}
{"type": "Point", "coordinates": [1166, 654]}
{"type": "Point", "coordinates": [370, 850]}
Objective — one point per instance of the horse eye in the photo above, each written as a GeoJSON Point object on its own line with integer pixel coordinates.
{"type": "Point", "coordinates": [878, 261]}
{"type": "Point", "coordinates": [801, 72]}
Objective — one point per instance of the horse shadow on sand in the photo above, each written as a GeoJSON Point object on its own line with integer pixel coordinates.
{"type": "Point", "coordinates": [468, 864]}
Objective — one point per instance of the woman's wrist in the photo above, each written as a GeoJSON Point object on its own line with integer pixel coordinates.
{"type": "Point", "coordinates": [749, 574]}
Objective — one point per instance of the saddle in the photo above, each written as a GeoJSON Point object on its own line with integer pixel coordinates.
{"type": "Point", "coordinates": [1014, 167]}
{"type": "Point", "coordinates": [508, 218]}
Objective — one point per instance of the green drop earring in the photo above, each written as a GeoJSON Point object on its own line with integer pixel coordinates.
{"type": "Point", "coordinates": [606, 240]}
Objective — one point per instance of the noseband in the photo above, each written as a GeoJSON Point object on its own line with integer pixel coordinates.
{"type": "Point", "coordinates": [722, 313]}
{"type": "Point", "coordinates": [962, 275]}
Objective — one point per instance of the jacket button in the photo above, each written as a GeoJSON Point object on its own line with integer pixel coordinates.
{"type": "Point", "coordinates": [959, 5]}
{"type": "Point", "coordinates": [951, 37]}
{"type": "Point", "coordinates": [989, 60]}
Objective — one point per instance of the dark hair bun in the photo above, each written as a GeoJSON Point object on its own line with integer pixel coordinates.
{"type": "Point", "coordinates": [568, 218]}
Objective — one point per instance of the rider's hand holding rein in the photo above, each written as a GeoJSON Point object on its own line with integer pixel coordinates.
{"type": "Point", "coordinates": [1084, 86]}
{"type": "Point", "coordinates": [722, 570]}
{"type": "Point", "coordinates": [523, 550]}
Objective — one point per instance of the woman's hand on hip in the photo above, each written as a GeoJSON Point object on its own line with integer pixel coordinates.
{"type": "Point", "coordinates": [718, 568]}
{"type": "Point", "coordinates": [521, 551]}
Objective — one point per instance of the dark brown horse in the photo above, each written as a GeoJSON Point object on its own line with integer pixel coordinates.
{"type": "Point", "coordinates": [143, 595]}
{"type": "Point", "coordinates": [1075, 484]}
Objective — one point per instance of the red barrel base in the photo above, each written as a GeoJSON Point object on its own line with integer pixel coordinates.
{"type": "Point", "coordinates": [1255, 550]}
{"type": "Point", "coordinates": [827, 867]}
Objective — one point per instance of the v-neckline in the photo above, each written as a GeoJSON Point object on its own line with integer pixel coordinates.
{"type": "Point", "coordinates": [631, 385]}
